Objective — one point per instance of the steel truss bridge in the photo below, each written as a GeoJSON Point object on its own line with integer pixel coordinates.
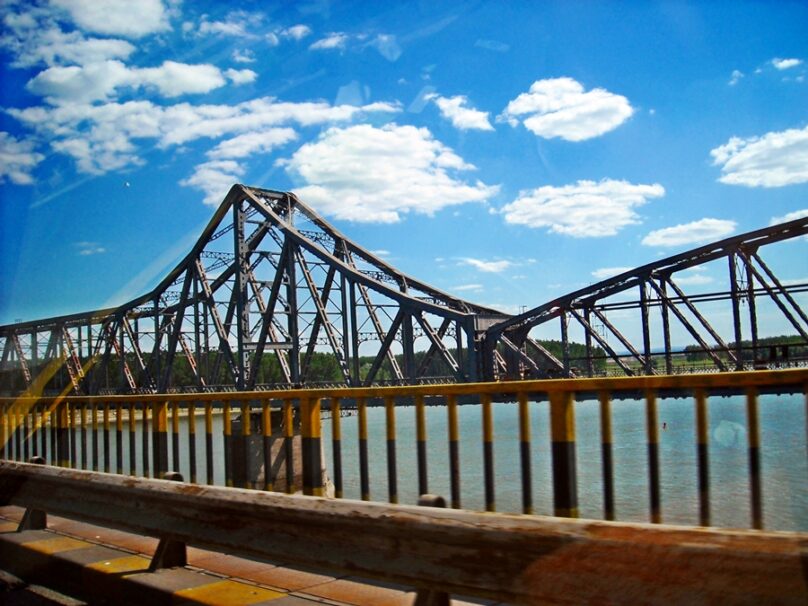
{"type": "Point", "coordinates": [271, 293]}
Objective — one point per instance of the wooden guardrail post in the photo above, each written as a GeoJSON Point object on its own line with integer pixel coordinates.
{"type": "Point", "coordinates": [34, 519]}
{"type": "Point", "coordinates": [431, 597]}
{"type": "Point", "coordinates": [169, 553]}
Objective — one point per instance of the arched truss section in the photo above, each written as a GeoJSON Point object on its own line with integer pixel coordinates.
{"type": "Point", "coordinates": [705, 310]}
{"type": "Point", "coordinates": [270, 295]}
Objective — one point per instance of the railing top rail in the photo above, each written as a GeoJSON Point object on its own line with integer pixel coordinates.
{"type": "Point", "coordinates": [510, 558]}
{"type": "Point", "coordinates": [795, 378]}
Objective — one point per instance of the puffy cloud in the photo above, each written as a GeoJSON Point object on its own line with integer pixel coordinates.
{"type": "Point", "coordinates": [252, 142]}
{"type": "Point", "coordinates": [703, 230]}
{"type": "Point", "coordinates": [215, 178]}
{"type": "Point", "coordinates": [330, 42]}
{"type": "Point", "coordinates": [736, 77]}
{"type": "Point", "coordinates": [237, 23]}
{"type": "Point", "coordinates": [609, 272]}
{"type": "Point", "coordinates": [455, 110]}
{"type": "Point", "coordinates": [243, 56]}
{"type": "Point", "coordinates": [694, 276]}
{"type": "Point", "coordinates": [792, 216]}
{"type": "Point", "coordinates": [296, 32]}
{"type": "Point", "coordinates": [49, 45]}
{"type": "Point", "coordinates": [559, 107]}
{"type": "Point", "coordinates": [368, 174]}
{"type": "Point", "coordinates": [17, 159]}
{"type": "Point", "coordinates": [582, 210]}
{"type": "Point", "coordinates": [117, 17]}
{"type": "Point", "coordinates": [240, 76]}
{"type": "Point", "coordinates": [782, 64]}
{"type": "Point", "coordinates": [493, 267]}
{"type": "Point", "coordinates": [773, 160]}
{"type": "Point", "coordinates": [100, 136]}
{"type": "Point", "coordinates": [99, 81]}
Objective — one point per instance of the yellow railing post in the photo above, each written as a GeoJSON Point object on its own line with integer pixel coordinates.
{"type": "Point", "coordinates": [310, 432]}
{"type": "Point", "coordinates": [488, 453]}
{"type": "Point", "coordinates": [524, 453]}
{"type": "Point", "coordinates": [652, 432]}
{"type": "Point", "coordinates": [390, 424]}
{"type": "Point", "coordinates": [753, 433]}
{"type": "Point", "coordinates": [420, 441]}
{"type": "Point", "coordinates": [336, 444]}
{"type": "Point", "coordinates": [605, 399]}
{"type": "Point", "coordinates": [562, 431]}
{"type": "Point", "coordinates": [702, 445]}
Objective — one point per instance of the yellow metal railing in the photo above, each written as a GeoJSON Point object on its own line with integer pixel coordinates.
{"type": "Point", "coordinates": [76, 432]}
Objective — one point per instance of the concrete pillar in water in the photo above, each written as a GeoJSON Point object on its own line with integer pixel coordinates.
{"type": "Point", "coordinates": [252, 452]}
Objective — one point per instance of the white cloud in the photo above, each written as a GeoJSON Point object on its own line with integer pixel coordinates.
{"type": "Point", "coordinates": [773, 160]}
{"type": "Point", "coordinates": [493, 267]}
{"type": "Point", "coordinates": [215, 178]}
{"type": "Point", "coordinates": [736, 77]}
{"type": "Point", "coordinates": [467, 287]}
{"type": "Point", "coordinates": [100, 137]}
{"type": "Point", "coordinates": [559, 107]}
{"type": "Point", "coordinates": [693, 277]}
{"type": "Point", "coordinates": [782, 64]}
{"type": "Point", "coordinates": [47, 44]}
{"type": "Point", "coordinates": [582, 210]}
{"type": "Point", "coordinates": [240, 76]}
{"type": "Point", "coordinates": [238, 24]}
{"type": "Point", "coordinates": [368, 174]}
{"type": "Point", "coordinates": [117, 17]}
{"type": "Point", "coordinates": [99, 81]}
{"type": "Point", "coordinates": [17, 159]}
{"type": "Point", "coordinates": [297, 32]}
{"type": "Point", "coordinates": [455, 110]}
{"type": "Point", "coordinates": [89, 248]}
{"type": "Point", "coordinates": [609, 272]}
{"type": "Point", "coordinates": [335, 40]}
{"type": "Point", "coordinates": [243, 56]}
{"type": "Point", "coordinates": [792, 216]}
{"type": "Point", "coordinates": [252, 142]}
{"type": "Point", "coordinates": [703, 230]}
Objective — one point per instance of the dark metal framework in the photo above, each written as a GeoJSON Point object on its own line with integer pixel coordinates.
{"type": "Point", "coordinates": [269, 280]}
{"type": "Point", "coordinates": [631, 323]}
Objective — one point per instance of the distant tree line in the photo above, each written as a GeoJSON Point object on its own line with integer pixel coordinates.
{"type": "Point", "coordinates": [769, 349]}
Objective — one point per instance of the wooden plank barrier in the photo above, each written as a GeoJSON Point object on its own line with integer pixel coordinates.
{"type": "Point", "coordinates": [516, 559]}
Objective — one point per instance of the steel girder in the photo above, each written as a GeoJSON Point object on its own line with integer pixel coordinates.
{"type": "Point", "coordinates": [630, 324]}
{"type": "Point", "coordinates": [267, 288]}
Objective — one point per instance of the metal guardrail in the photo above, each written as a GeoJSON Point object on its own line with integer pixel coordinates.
{"type": "Point", "coordinates": [516, 559]}
{"type": "Point", "coordinates": [75, 432]}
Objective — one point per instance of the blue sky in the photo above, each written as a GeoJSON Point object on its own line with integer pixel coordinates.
{"type": "Point", "coordinates": [505, 152]}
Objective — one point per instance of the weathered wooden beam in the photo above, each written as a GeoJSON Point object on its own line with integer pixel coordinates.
{"type": "Point", "coordinates": [517, 559]}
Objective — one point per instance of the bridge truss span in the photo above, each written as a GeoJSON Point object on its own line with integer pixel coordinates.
{"type": "Point", "coordinates": [706, 310]}
{"type": "Point", "coordinates": [272, 296]}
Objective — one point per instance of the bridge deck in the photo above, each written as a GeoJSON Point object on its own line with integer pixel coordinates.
{"type": "Point", "coordinates": [209, 578]}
